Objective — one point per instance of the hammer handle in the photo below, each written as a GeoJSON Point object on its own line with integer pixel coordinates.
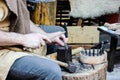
{"type": "Point", "coordinates": [63, 64]}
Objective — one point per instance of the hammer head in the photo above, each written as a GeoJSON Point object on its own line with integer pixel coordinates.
{"type": "Point", "coordinates": [71, 67]}
{"type": "Point", "coordinates": [64, 53]}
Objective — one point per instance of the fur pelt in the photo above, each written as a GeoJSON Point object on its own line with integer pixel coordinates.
{"type": "Point", "coordinates": [93, 8]}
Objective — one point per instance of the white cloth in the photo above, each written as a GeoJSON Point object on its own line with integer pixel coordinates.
{"type": "Point", "coordinates": [93, 8]}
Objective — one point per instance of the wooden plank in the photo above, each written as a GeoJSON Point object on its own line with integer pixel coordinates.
{"type": "Point", "coordinates": [87, 34]}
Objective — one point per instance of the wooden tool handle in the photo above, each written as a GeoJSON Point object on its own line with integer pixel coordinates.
{"type": "Point", "coordinates": [77, 50]}
{"type": "Point", "coordinates": [63, 64]}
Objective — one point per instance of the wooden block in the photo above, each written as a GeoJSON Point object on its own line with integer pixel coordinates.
{"type": "Point", "coordinates": [87, 34]}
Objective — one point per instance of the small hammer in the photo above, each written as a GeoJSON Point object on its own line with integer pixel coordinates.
{"type": "Point", "coordinates": [69, 66]}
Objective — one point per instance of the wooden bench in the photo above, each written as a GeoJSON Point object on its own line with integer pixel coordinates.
{"type": "Point", "coordinates": [113, 46]}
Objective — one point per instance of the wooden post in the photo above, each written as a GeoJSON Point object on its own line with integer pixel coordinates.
{"type": "Point", "coordinates": [79, 22]}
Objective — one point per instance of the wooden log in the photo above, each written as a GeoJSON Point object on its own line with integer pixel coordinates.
{"type": "Point", "coordinates": [98, 73]}
{"type": "Point", "coordinates": [86, 71]}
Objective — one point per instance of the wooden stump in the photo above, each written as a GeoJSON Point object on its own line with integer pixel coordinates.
{"type": "Point", "coordinates": [97, 73]}
{"type": "Point", "coordinates": [87, 71]}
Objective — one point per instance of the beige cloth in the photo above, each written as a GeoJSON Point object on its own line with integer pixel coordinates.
{"type": "Point", "coordinates": [20, 19]}
{"type": "Point", "coordinates": [7, 58]}
{"type": "Point", "coordinates": [9, 54]}
{"type": "Point", "coordinates": [4, 16]}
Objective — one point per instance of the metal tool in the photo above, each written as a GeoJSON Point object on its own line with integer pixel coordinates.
{"type": "Point", "coordinates": [64, 52]}
{"type": "Point", "coordinates": [102, 48]}
{"type": "Point", "coordinates": [89, 52]}
{"type": "Point", "coordinates": [99, 45]}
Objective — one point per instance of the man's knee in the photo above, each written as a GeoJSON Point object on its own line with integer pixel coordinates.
{"type": "Point", "coordinates": [52, 72]}
{"type": "Point", "coordinates": [51, 29]}
{"type": "Point", "coordinates": [60, 28]}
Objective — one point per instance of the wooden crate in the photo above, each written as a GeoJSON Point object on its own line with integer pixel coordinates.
{"type": "Point", "coordinates": [87, 34]}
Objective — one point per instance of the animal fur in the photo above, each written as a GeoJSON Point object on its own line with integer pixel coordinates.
{"type": "Point", "coordinates": [93, 8]}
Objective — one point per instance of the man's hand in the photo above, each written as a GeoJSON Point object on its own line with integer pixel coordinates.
{"type": "Point", "coordinates": [58, 38]}
{"type": "Point", "coordinates": [35, 40]}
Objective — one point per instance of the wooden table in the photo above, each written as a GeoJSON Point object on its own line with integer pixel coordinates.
{"type": "Point", "coordinates": [113, 46]}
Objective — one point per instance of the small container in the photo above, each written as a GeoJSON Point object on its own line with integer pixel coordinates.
{"type": "Point", "coordinates": [93, 59]}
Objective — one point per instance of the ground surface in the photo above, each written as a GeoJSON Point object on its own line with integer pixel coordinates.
{"type": "Point", "coordinates": [115, 75]}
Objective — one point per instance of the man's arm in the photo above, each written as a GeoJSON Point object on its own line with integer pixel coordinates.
{"type": "Point", "coordinates": [10, 38]}
{"type": "Point", "coordinates": [32, 40]}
